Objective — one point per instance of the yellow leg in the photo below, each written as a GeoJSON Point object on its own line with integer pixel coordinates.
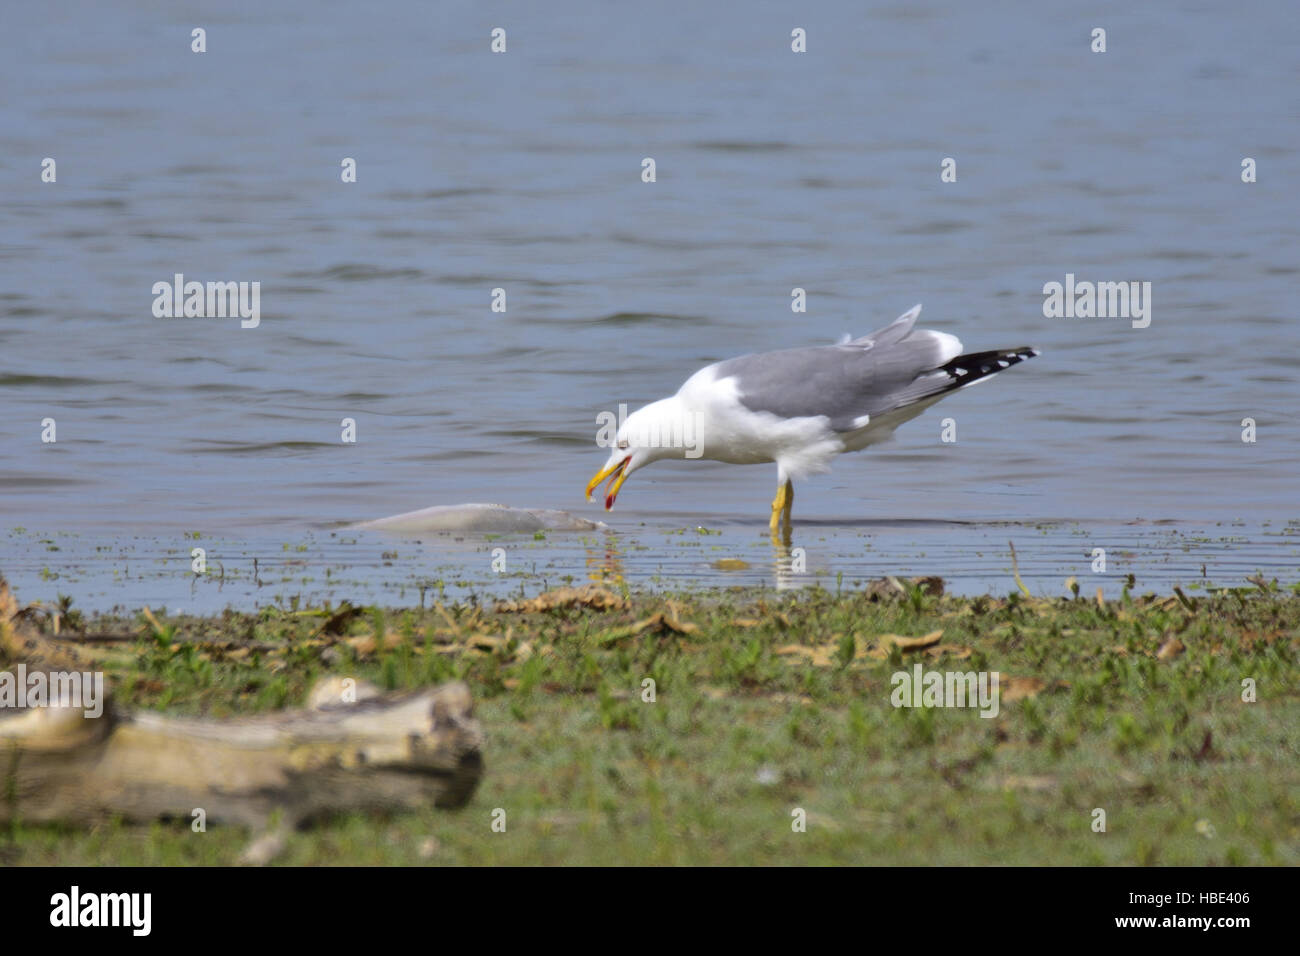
{"type": "Point", "coordinates": [778, 508]}
{"type": "Point", "coordinates": [782, 506]}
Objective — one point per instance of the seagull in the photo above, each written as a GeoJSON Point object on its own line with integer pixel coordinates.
{"type": "Point", "coordinates": [799, 408]}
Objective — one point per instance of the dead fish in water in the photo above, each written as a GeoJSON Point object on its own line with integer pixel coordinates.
{"type": "Point", "coordinates": [482, 519]}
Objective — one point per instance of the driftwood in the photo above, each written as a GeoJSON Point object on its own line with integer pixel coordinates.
{"type": "Point", "coordinates": [400, 751]}
{"type": "Point", "coordinates": [412, 750]}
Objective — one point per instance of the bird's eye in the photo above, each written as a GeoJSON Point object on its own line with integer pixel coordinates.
{"type": "Point", "coordinates": [622, 443]}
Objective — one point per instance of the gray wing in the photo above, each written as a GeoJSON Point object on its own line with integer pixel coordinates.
{"type": "Point", "coordinates": [891, 368]}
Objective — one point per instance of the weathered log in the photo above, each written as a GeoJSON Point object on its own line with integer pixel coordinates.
{"type": "Point", "coordinates": [380, 752]}
{"type": "Point", "coordinates": [401, 751]}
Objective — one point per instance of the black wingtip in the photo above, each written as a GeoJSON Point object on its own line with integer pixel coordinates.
{"type": "Point", "coordinates": [974, 366]}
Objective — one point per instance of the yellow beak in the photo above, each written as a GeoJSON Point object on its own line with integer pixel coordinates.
{"type": "Point", "coordinates": [620, 476]}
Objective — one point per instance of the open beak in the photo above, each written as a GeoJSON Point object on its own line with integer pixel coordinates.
{"type": "Point", "coordinates": [617, 473]}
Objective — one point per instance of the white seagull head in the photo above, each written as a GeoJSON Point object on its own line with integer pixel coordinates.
{"type": "Point", "coordinates": [662, 429]}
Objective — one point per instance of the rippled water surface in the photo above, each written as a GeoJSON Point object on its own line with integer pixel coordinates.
{"type": "Point", "coordinates": [523, 171]}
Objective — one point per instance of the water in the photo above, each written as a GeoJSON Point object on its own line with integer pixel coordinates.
{"type": "Point", "coordinates": [522, 171]}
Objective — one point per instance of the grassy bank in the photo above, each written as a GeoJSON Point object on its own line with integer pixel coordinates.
{"type": "Point", "coordinates": [766, 703]}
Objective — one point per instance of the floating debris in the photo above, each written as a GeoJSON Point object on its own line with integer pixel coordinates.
{"type": "Point", "coordinates": [481, 519]}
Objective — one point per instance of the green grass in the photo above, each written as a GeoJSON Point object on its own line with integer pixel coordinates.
{"type": "Point", "coordinates": [740, 736]}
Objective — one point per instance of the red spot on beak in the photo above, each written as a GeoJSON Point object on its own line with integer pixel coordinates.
{"type": "Point", "coordinates": [616, 478]}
